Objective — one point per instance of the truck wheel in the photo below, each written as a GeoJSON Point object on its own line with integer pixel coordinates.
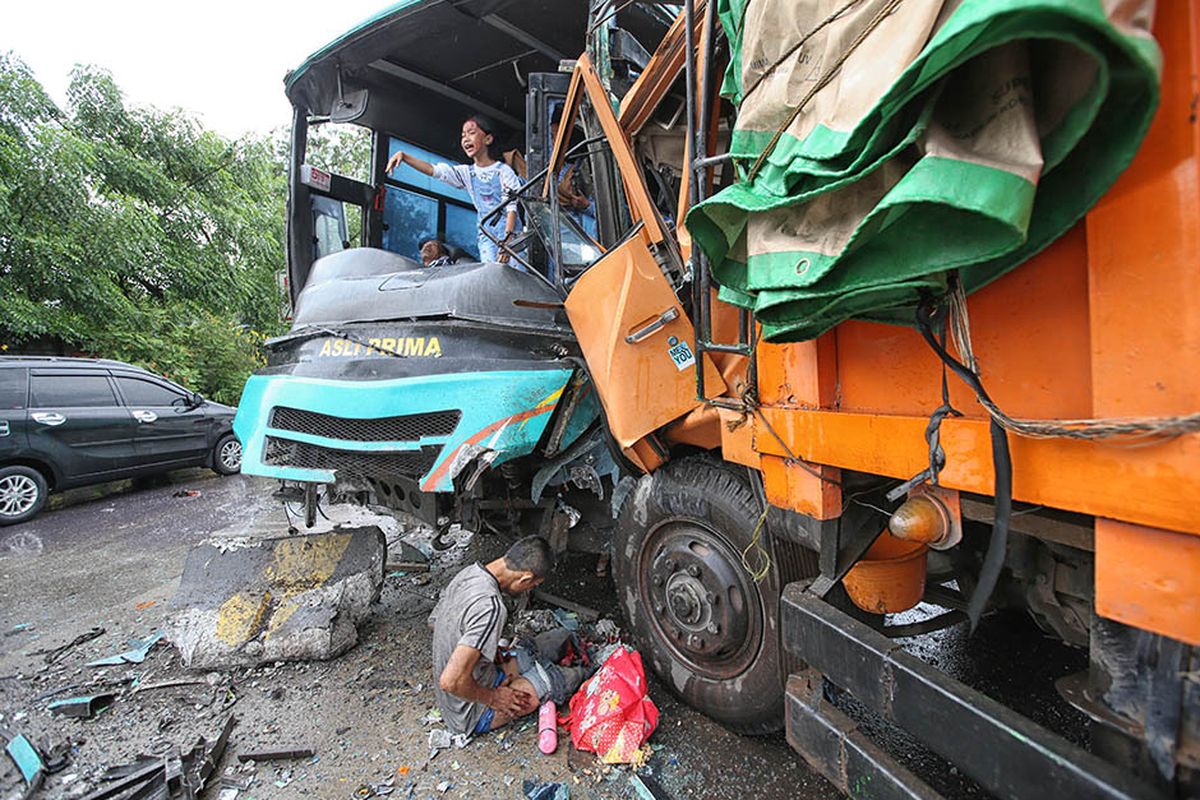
{"type": "Point", "coordinates": [227, 455]}
{"type": "Point", "coordinates": [709, 630]}
{"type": "Point", "coordinates": [23, 492]}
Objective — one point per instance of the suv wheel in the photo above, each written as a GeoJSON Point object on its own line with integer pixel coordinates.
{"type": "Point", "coordinates": [23, 492]}
{"type": "Point", "coordinates": [227, 455]}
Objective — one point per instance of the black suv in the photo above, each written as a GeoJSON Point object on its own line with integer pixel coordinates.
{"type": "Point", "coordinates": [68, 422]}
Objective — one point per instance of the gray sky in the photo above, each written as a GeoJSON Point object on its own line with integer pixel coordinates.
{"type": "Point", "coordinates": [222, 60]}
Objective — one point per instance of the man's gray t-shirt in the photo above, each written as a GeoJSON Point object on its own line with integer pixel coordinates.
{"type": "Point", "coordinates": [470, 612]}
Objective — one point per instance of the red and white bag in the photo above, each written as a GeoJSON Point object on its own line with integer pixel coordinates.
{"type": "Point", "coordinates": [611, 715]}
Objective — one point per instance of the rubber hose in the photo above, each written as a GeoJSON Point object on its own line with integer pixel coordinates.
{"type": "Point", "coordinates": [993, 562]}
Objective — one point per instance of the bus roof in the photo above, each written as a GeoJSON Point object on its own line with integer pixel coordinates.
{"type": "Point", "coordinates": [427, 64]}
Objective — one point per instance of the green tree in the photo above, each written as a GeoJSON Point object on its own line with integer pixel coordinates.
{"type": "Point", "coordinates": [132, 233]}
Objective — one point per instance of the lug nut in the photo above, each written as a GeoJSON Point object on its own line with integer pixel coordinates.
{"type": "Point", "coordinates": [713, 628]}
{"type": "Point", "coordinates": [656, 580]}
{"type": "Point", "coordinates": [659, 608]}
{"type": "Point", "coordinates": [669, 564]}
{"type": "Point", "coordinates": [694, 571]}
{"type": "Point", "coordinates": [710, 598]}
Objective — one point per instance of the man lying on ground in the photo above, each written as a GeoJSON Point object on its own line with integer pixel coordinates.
{"type": "Point", "coordinates": [476, 691]}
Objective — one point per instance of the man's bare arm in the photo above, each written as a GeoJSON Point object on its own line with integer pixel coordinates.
{"type": "Point", "coordinates": [458, 679]}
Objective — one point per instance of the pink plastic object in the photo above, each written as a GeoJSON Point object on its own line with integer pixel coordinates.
{"type": "Point", "coordinates": [548, 727]}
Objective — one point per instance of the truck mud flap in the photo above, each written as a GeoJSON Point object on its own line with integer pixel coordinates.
{"type": "Point", "coordinates": [1007, 754]}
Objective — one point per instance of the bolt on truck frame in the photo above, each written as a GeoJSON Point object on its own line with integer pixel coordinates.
{"type": "Point", "coordinates": [766, 509]}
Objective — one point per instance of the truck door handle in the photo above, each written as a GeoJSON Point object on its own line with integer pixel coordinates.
{"type": "Point", "coordinates": [670, 315]}
{"type": "Point", "coordinates": [50, 418]}
{"type": "Point", "coordinates": [145, 417]}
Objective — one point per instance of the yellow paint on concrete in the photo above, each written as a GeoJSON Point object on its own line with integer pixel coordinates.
{"type": "Point", "coordinates": [297, 565]}
{"type": "Point", "coordinates": [240, 617]}
{"type": "Point", "coordinates": [283, 612]}
{"type": "Point", "coordinates": [305, 563]}
{"type": "Point", "coordinates": [301, 565]}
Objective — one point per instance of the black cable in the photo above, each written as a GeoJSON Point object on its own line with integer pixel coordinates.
{"type": "Point", "coordinates": [929, 314]}
{"type": "Point", "coordinates": [937, 456]}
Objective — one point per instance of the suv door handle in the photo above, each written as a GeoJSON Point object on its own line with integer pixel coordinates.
{"type": "Point", "coordinates": [50, 418]}
{"type": "Point", "coordinates": [670, 315]}
{"type": "Point", "coordinates": [145, 417]}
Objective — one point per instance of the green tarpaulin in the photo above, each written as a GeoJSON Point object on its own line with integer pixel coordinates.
{"type": "Point", "coordinates": [906, 138]}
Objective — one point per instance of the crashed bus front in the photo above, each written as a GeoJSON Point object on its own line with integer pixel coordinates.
{"type": "Point", "coordinates": [427, 390]}
{"type": "Point", "coordinates": [439, 370]}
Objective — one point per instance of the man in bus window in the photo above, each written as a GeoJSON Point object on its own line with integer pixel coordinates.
{"type": "Point", "coordinates": [434, 253]}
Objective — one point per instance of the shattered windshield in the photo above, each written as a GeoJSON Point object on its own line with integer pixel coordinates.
{"type": "Point", "coordinates": [577, 250]}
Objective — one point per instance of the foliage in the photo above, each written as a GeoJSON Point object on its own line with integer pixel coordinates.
{"type": "Point", "coordinates": [341, 149]}
{"type": "Point", "coordinates": [344, 149]}
{"type": "Point", "coordinates": [132, 233]}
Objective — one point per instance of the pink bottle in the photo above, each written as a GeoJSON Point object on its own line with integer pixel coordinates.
{"type": "Point", "coordinates": [548, 727]}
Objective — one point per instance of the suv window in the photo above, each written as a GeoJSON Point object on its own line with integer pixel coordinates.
{"type": "Point", "coordinates": [138, 392]}
{"type": "Point", "coordinates": [13, 388]}
{"type": "Point", "coordinates": [71, 391]}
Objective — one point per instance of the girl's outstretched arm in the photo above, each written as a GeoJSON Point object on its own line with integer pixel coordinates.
{"type": "Point", "coordinates": [414, 162]}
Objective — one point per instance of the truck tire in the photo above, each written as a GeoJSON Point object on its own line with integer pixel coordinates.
{"type": "Point", "coordinates": [23, 492]}
{"type": "Point", "coordinates": [707, 628]}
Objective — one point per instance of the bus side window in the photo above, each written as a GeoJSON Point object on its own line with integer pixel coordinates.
{"type": "Point", "coordinates": [329, 226]}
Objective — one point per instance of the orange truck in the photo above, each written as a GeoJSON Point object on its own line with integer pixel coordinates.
{"type": "Point", "coordinates": [798, 494]}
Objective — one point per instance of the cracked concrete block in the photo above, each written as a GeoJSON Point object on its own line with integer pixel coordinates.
{"type": "Point", "coordinates": [295, 598]}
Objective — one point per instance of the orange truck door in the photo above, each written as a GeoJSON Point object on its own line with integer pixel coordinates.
{"type": "Point", "coordinates": [635, 336]}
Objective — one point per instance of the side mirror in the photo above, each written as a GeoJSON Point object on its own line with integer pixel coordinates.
{"type": "Point", "coordinates": [195, 400]}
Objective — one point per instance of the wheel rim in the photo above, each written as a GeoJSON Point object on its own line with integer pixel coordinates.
{"type": "Point", "coordinates": [231, 455]}
{"type": "Point", "coordinates": [701, 602]}
{"type": "Point", "coordinates": [18, 495]}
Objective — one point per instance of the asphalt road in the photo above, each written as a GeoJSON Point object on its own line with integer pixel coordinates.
{"type": "Point", "coordinates": [98, 552]}
{"type": "Point", "coordinates": [114, 560]}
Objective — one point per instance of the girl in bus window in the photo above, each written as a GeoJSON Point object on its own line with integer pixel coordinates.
{"type": "Point", "coordinates": [486, 179]}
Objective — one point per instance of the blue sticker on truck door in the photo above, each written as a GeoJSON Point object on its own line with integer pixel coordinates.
{"type": "Point", "coordinates": [680, 353]}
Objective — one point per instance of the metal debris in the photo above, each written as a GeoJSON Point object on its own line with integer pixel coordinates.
{"type": "Point", "coordinates": [147, 687]}
{"type": "Point", "coordinates": [646, 788]}
{"type": "Point", "coordinates": [173, 776]}
{"type": "Point", "coordinates": [440, 739]}
{"type": "Point", "coordinates": [139, 649]}
{"type": "Point", "coordinates": [27, 759]}
{"type": "Point", "coordinates": [585, 614]}
{"type": "Point", "coordinates": [276, 754]}
{"type": "Point", "coordinates": [53, 654]}
{"type": "Point", "coordinates": [546, 791]}
{"type": "Point", "coordinates": [83, 707]}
